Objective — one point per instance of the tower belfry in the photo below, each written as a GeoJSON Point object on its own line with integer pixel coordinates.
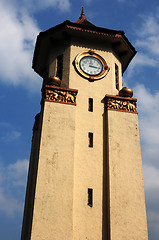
{"type": "Point", "coordinates": [85, 174]}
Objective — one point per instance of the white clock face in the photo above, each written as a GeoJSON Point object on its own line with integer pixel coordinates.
{"type": "Point", "coordinates": [91, 65]}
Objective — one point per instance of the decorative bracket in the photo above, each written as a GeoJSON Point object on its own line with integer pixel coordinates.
{"type": "Point", "coordinates": [124, 104]}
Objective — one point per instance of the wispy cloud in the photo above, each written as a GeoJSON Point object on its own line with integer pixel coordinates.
{"type": "Point", "coordinates": [151, 177]}
{"type": "Point", "coordinates": [17, 172]}
{"type": "Point", "coordinates": [37, 5]}
{"type": "Point", "coordinates": [148, 34]}
{"type": "Point", "coordinates": [147, 40]}
{"type": "Point", "coordinates": [149, 25]}
{"type": "Point", "coordinates": [9, 204]}
{"type": "Point", "coordinates": [149, 133]}
{"type": "Point", "coordinates": [149, 127]}
{"type": "Point", "coordinates": [10, 136]}
{"type": "Point", "coordinates": [8, 133]}
{"type": "Point", "coordinates": [141, 60]}
{"type": "Point", "coordinates": [131, 2]}
{"type": "Point", "coordinates": [12, 178]}
{"type": "Point", "coordinates": [62, 5]}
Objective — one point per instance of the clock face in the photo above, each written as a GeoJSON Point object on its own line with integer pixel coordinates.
{"type": "Point", "coordinates": [91, 65]}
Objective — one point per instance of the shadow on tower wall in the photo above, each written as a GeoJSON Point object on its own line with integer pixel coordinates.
{"type": "Point", "coordinates": [106, 202]}
{"type": "Point", "coordinates": [32, 177]}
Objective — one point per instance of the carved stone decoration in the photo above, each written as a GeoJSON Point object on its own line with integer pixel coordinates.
{"type": "Point", "coordinates": [121, 104]}
{"type": "Point", "coordinates": [62, 95]}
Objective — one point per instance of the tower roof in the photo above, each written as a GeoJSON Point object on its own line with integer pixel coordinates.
{"type": "Point", "coordinates": [82, 29]}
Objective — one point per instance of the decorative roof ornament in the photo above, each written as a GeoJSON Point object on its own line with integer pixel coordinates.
{"type": "Point", "coordinates": [82, 13]}
{"type": "Point", "coordinates": [83, 20]}
{"type": "Point", "coordinates": [126, 92]}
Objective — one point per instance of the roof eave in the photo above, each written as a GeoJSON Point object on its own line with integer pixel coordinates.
{"type": "Point", "coordinates": [67, 25]}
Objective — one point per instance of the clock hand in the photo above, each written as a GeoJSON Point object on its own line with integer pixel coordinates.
{"type": "Point", "coordinates": [92, 66]}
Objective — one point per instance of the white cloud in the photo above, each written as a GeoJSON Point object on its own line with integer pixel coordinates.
{"type": "Point", "coordinates": [12, 179]}
{"type": "Point", "coordinates": [147, 40]}
{"type": "Point", "coordinates": [37, 5]}
{"type": "Point", "coordinates": [88, 2]}
{"type": "Point", "coordinates": [10, 136]}
{"type": "Point", "coordinates": [8, 133]}
{"type": "Point", "coordinates": [149, 133]}
{"type": "Point", "coordinates": [151, 183]}
{"type": "Point", "coordinates": [151, 177]}
{"type": "Point", "coordinates": [17, 40]}
{"type": "Point", "coordinates": [150, 44]}
{"type": "Point", "coordinates": [63, 5]}
{"type": "Point", "coordinates": [17, 172]}
{"type": "Point", "coordinates": [149, 26]}
{"type": "Point", "coordinates": [141, 60]}
{"type": "Point", "coordinates": [149, 119]}
{"type": "Point", "coordinates": [148, 35]}
{"type": "Point", "coordinates": [131, 2]}
{"type": "Point", "coordinates": [9, 204]}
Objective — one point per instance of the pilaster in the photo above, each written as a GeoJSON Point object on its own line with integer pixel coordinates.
{"type": "Point", "coordinates": [53, 196]}
{"type": "Point", "coordinates": [127, 215]}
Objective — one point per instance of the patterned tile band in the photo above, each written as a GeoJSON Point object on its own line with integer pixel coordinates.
{"type": "Point", "coordinates": [121, 104]}
{"type": "Point", "coordinates": [61, 95]}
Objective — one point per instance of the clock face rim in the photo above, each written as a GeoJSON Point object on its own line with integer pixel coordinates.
{"type": "Point", "coordinates": [88, 76]}
{"type": "Point", "coordinates": [93, 58]}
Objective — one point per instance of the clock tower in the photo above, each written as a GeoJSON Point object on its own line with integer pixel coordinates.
{"type": "Point", "coordinates": [85, 174]}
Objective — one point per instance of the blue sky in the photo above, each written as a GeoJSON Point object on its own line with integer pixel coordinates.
{"type": "Point", "coordinates": [20, 95]}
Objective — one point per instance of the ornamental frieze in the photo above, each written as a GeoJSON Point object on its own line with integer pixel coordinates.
{"type": "Point", "coordinates": [121, 104]}
{"type": "Point", "coordinates": [62, 95]}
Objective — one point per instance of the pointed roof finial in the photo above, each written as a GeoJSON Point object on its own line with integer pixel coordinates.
{"type": "Point", "coordinates": [83, 20]}
{"type": "Point", "coordinates": [82, 12]}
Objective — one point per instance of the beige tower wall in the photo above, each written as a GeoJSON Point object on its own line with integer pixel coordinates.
{"type": "Point", "coordinates": [99, 88]}
{"type": "Point", "coordinates": [61, 48]}
{"type": "Point", "coordinates": [71, 78]}
{"type": "Point", "coordinates": [127, 200]}
{"type": "Point", "coordinates": [88, 162]}
{"type": "Point", "coordinates": [53, 205]}
{"type": "Point", "coordinates": [68, 166]}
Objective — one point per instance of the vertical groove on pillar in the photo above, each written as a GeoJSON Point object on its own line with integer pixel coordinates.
{"type": "Point", "coordinates": [106, 205]}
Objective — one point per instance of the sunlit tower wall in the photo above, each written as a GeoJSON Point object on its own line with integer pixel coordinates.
{"type": "Point", "coordinates": [85, 176]}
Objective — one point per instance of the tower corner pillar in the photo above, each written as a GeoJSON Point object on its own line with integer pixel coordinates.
{"type": "Point", "coordinates": [127, 214]}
